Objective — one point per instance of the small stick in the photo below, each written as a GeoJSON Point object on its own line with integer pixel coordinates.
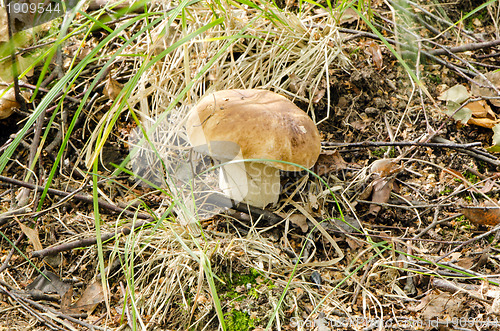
{"type": "Point", "coordinates": [85, 242]}
{"type": "Point", "coordinates": [81, 197]}
{"type": "Point", "coordinates": [465, 48]}
{"type": "Point", "coordinates": [223, 201]}
{"type": "Point", "coordinates": [486, 234]}
{"type": "Point", "coordinates": [5, 264]}
{"type": "Point", "coordinates": [436, 222]}
{"type": "Point", "coordinates": [450, 145]}
{"type": "Point", "coordinates": [51, 310]}
{"type": "Point", "coordinates": [471, 152]}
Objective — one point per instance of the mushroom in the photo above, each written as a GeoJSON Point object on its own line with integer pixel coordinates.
{"type": "Point", "coordinates": [253, 124]}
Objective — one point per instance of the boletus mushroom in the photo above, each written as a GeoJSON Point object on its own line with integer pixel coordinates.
{"type": "Point", "coordinates": [236, 124]}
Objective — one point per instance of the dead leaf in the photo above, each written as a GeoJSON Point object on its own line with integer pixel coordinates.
{"type": "Point", "coordinates": [454, 96]}
{"type": "Point", "coordinates": [488, 186]}
{"type": "Point", "coordinates": [446, 173]}
{"type": "Point", "coordinates": [495, 306]}
{"type": "Point", "coordinates": [348, 16]}
{"type": "Point", "coordinates": [382, 184]}
{"type": "Point", "coordinates": [457, 94]}
{"type": "Point", "coordinates": [481, 89]}
{"type": "Point", "coordinates": [32, 235]}
{"type": "Point", "coordinates": [300, 221]}
{"type": "Point", "coordinates": [466, 262]}
{"type": "Point", "coordinates": [318, 95]}
{"type": "Point", "coordinates": [112, 88]}
{"type": "Point", "coordinates": [423, 303]}
{"type": "Point", "coordinates": [442, 303]}
{"type": "Point", "coordinates": [367, 192]}
{"type": "Point", "coordinates": [4, 32]}
{"type": "Point", "coordinates": [297, 85]}
{"type": "Point", "coordinates": [363, 123]}
{"type": "Point", "coordinates": [328, 162]}
{"type": "Point", "coordinates": [354, 244]}
{"type": "Point", "coordinates": [480, 109]}
{"type": "Point", "coordinates": [483, 122]}
{"type": "Point", "coordinates": [7, 103]}
{"type": "Point", "coordinates": [385, 167]}
{"type": "Point", "coordinates": [482, 215]}
{"type": "Point", "coordinates": [382, 188]}
{"type": "Point", "coordinates": [91, 297]}
{"type": "Point", "coordinates": [51, 285]}
{"type": "Point", "coordinates": [482, 115]}
{"type": "Point", "coordinates": [463, 115]}
{"type": "Point", "coordinates": [66, 299]}
{"type": "Point", "coordinates": [496, 135]}
{"type": "Point", "coordinates": [374, 50]}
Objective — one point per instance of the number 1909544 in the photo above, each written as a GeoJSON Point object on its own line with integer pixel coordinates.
{"type": "Point", "coordinates": [33, 8]}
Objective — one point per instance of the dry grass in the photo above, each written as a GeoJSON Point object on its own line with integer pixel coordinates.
{"type": "Point", "coordinates": [169, 277]}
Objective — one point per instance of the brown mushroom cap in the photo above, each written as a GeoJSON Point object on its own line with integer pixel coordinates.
{"type": "Point", "coordinates": [264, 125]}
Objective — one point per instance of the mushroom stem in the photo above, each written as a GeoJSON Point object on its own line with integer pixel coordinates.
{"type": "Point", "coordinates": [252, 182]}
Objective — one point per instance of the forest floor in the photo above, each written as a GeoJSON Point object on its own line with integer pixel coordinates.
{"type": "Point", "coordinates": [397, 228]}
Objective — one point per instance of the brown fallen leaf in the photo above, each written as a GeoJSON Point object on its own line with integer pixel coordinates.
{"type": "Point", "coordinates": [382, 184]}
{"type": "Point", "coordinates": [112, 88]}
{"type": "Point", "coordinates": [7, 103]}
{"type": "Point", "coordinates": [300, 221]}
{"type": "Point", "coordinates": [318, 95]}
{"type": "Point", "coordinates": [374, 50]}
{"type": "Point", "coordinates": [385, 167]}
{"type": "Point", "coordinates": [480, 89]}
{"type": "Point", "coordinates": [447, 174]}
{"type": "Point", "coordinates": [382, 188]}
{"type": "Point", "coordinates": [488, 186]}
{"type": "Point", "coordinates": [443, 303]}
{"type": "Point", "coordinates": [482, 115]}
{"type": "Point", "coordinates": [328, 162]}
{"type": "Point", "coordinates": [297, 85]}
{"type": "Point", "coordinates": [91, 297]}
{"type": "Point", "coordinates": [354, 244]}
{"type": "Point", "coordinates": [481, 109]}
{"type": "Point", "coordinates": [482, 215]}
{"type": "Point", "coordinates": [32, 235]}
{"type": "Point", "coordinates": [423, 303]}
{"type": "Point", "coordinates": [348, 16]}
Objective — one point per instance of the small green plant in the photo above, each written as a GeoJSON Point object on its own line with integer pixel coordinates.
{"type": "Point", "coordinates": [471, 177]}
{"type": "Point", "coordinates": [435, 79]}
{"type": "Point", "coordinates": [446, 191]}
{"type": "Point", "coordinates": [465, 224]}
{"type": "Point", "coordinates": [232, 281]}
{"type": "Point", "coordinates": [379, 152]}
{"type": "Point", "coordinates": [238, 320]}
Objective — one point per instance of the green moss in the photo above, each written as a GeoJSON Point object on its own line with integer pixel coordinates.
{"type": "Point", "coordinates": [446, 191]}
{"type": "Point", "coordinates": [435, 79]}
{"type": "Point", "coordinates": [237, 320]}
{"type": "Point", "coordinates": [380, 152]}
{"type": "Point", "coordinates": [465, 224]}
{"type": "Point", "coordinates": [471, 177]}
{"type": "Point", "coordinates": [233, 280]}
